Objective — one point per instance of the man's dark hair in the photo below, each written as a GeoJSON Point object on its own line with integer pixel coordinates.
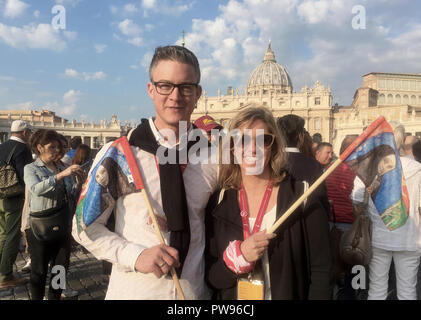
{"type": "Point", "coordinates": [317, 137]}
{"type": "Point", "coordinates": [347, 142]}
{"type": "Point", "coordinates": [75, 142]}
{"type": "Point", "coordinates": [322, 145]}
{"type": "Point", "coordinates": [175, 53]}
{"type": "Point", "coordinates": [416, 150]}
{"type": "Point", "coordinates": [291, 126]}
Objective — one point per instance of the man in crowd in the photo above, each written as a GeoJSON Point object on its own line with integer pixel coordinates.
{"type": "Point", "coordinates": [207, 124]}
{"type": "Point", "coordinates": [178, 196]}
{"type": "Point", "coordinates": [339, 187]}
{"type": "Point", "coordinates": [15, 149]}
{"type": "Point", "coordinates": [410, 140]}
{"type": "Point", "coordinates": [68, 157]}
{"type": "Point", "coordinates": [324, 154]}
{"type": "Point", "coordinates": [305, 168]}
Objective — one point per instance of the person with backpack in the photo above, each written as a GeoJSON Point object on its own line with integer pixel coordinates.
{"type": "Point", "coordinates": [14, 155]}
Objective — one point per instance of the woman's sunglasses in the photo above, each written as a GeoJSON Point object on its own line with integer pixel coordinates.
{"type": "Point", "coordinates": [245, 140]}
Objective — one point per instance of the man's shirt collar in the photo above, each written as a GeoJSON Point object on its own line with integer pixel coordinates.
{"type": "Point", "coordinates": [291, 149]}
{"type": "Point", "coordinates": [17, 139]}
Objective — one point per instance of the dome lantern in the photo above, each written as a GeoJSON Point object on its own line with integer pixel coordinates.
{"type": "Point", "coordinates": [269, 76]}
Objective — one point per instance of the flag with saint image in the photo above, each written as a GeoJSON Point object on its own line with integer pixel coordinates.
{"type": "Point", "coordinates": [375, 159]}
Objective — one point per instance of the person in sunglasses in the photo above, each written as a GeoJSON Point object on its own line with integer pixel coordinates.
{"type": "Point", "coordinates": [244, 262]}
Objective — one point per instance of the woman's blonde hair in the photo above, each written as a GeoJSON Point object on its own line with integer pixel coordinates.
{"type": "Point", "coordinates": [230, 174]}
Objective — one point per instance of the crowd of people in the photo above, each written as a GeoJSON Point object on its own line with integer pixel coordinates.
{"type": "Point", "coordinates": [213, 217]}
{"type": "Point", "coordinates": [48, 182]}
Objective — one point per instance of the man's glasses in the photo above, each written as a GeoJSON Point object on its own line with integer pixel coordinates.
{"type": "Point", "coordinates": [166, 88]}
{"type": "Point", "coordinates": [245, 140]}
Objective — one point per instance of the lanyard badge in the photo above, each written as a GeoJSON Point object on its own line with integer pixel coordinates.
{"type": "Point", "coordinates": [251, 286]}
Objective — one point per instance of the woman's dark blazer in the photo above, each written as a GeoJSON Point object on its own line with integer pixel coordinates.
{"type": "Point", "coordinates": [299, 257]}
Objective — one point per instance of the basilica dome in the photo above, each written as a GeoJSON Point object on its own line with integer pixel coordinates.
{"type": "Point", "coordinates": [269, 76]}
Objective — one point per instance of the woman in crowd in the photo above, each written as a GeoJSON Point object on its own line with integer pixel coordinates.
{"type": "Point", "coordinates": [82, 158]}
{"type": "Point", "coordinates": [293, 264]}
{"type": "Point", "coordinates": [50, 186]}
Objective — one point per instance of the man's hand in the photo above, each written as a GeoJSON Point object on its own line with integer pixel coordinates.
{"type": "Point", "coordinates": [157, 260]}
{"type": "Point", "coordinates": [253, 247]}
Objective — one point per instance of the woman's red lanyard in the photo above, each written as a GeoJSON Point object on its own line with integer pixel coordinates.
{"type": "Point", "coordinates": [262, 210]}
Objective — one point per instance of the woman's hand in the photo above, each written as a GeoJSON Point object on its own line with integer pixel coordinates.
{"type": "Point", "coordinates": [253, 247]}
{"type": "Point", "coordinates": [73, 169]}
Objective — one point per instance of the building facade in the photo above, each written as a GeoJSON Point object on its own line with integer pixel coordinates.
{"type": "Point", "coordinates": [93, 134]}
{"type": "Point", "coordinates": [270, 85]}
{"type": "Point", "coordinates": [393, 95]}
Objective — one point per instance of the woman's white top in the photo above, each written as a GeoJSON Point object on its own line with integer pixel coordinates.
{"type": "Point", "coordinates": [268, 220]}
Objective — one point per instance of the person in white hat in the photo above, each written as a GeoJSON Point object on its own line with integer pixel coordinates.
{"type": "Point", "coordinates": [11, 208]}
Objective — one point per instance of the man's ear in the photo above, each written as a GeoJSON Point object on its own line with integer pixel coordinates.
{"type": "Point", "coordinates": [198, 92]}
{"type": "Point", "coordinates": [151, 90]}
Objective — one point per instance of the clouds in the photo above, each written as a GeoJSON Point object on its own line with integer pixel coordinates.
{"type": "Point", "coordinates": [32, 36]}
{"type": "Point", "coordinates": [70, 100]}
{"type": "Point", "coordinates": [86, 76]}
{"type": "Point", "coordinates": [99, 48]}
{"type": "Point", "coordinates": [131, 31]}
{"type": "Point", "coordinates": [14, 8]}
{"type": "Point", "coordinates": [313, 39]}
{"type": "Point", "coordinates": [166, 7]}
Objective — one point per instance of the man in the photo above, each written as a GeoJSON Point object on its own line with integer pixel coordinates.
{"type": "Point", "coordinates": [305, 168]}
{"type": "Point", "coordinates": [207, 124]}
{"type": "Point", "coordinates": [401, 245]}
{"type": "Point", "coordinates": [324, 154]}
{"type": "Point", "coordinates": [11, 208]}
{"type": "Point", "coordinates": [178, 195]}
{"type": "Point", "coordinates": [339, 187]}
{"type": "Point", "coordinates": [68, 157]}
{"type": "Point", "coordinates": [408, 146]}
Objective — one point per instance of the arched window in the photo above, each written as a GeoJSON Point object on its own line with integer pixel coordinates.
{"type": "Point", "coordinates": [389, 99]}
{"type": "Point", "coordinates": [398, 99]}
{"type": "Point", "coordinates": [413, 100]}
{"type": "Point", "coordinates": [405, 99]}
{"type": "Point", "coordinates": [381, 99]}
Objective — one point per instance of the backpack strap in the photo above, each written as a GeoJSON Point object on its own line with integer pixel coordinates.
{"type": "Point", "coordinates": [11, 154]}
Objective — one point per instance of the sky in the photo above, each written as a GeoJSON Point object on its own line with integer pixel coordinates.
{"type": "Point", "coordinates": [93, 62]}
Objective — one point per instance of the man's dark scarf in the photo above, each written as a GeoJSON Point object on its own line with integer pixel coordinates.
{"type": "Point", "coordinates": [172, 191]}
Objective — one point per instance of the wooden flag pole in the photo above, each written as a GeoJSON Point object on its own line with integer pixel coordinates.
{"type": "Point", "coordinates": [323, 177]}
{"type": "Point", "coordinates": [161, 239]}
{"type": "Point", "coordinates": [304, 196]}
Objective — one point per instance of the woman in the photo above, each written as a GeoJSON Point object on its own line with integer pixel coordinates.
{"type": "Point", "coordinates": [294, 264]}
{"type": "Point", "coordinates": [50, 186]}
{"type": "Point", "coordinates": [82, 157]}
